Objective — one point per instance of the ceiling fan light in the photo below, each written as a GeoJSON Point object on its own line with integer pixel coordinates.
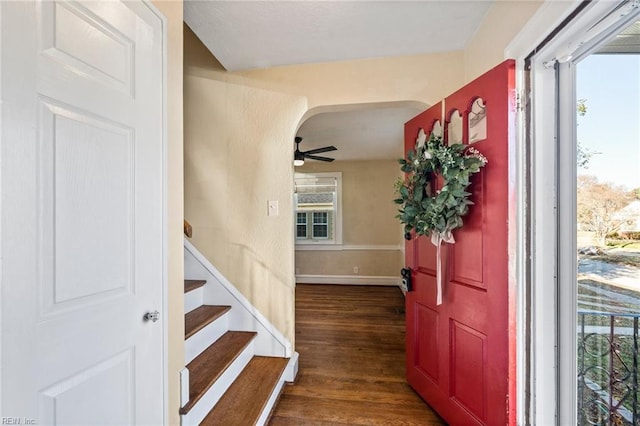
{"type": "Point", "coordinates": [298, 158]}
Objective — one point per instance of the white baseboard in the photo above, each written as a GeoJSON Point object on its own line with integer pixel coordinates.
{"type": "Point", "coordinates": [348, 280]}
{"type": "Point", "coordinates": [291, 372]}
{"type": "Point", "coordinates": [347, 247]}
{"type": "Point", "coordinates": [184, 387]}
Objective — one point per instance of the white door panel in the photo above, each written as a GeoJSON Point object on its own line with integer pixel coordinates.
{"type": "Point", "coordinates": [82, 204]}
{"type": "Point", "coordinates": [86, 167]}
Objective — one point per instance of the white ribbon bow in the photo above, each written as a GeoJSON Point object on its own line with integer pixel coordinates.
{"type": "Point", "coordinates": [437, 239]}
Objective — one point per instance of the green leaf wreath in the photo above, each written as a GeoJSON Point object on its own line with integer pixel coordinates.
{"type": "Point", "coordinates": [441, 212]}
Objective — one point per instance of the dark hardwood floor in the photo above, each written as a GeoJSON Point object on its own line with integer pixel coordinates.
{"type": "Point", "coordinates": [352, 361]}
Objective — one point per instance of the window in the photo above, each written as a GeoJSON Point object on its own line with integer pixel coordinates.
{"type": "Point", "coordinates": [317, 205]}
{"type": "Point", "coordinates": [301, 225]}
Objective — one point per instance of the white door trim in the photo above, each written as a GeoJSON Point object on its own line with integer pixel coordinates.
{"type": "Point", "coordinates": [165, 219]}
{"type": "Point", "coordinates": [566, 173]}
{"type": "Point", "coordinates": [1, 254]}
{"type": "Point", "coordinates": [535, 347]}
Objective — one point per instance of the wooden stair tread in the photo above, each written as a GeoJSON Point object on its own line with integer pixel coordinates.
{"type": "Point", "coordinates": [200, 317]}
{"type": "Point", "coordinates": [190, 285]}
{"type": "Point", "coordinates": [207, 367]}
{"type": "Point", "coordinates": [245, 399]}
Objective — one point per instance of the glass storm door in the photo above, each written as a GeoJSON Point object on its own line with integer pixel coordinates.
{"type": "Point", "coordinates": [607, 226]}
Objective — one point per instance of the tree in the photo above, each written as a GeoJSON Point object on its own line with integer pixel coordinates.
{"type": "Point", "coordinates": [581, 106]}
{"type": "Point", "coordinates": [583, 154]}
{"type": "Point", "coordinates": [598, 204]}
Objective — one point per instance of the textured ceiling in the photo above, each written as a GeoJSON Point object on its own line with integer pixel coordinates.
{"type": "Point", "coordinates": [362, 134]}
{"type": "Point", "coordinates": [261, 34]}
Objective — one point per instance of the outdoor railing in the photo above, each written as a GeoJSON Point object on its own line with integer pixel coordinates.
{"type": "Point", "coordinates": [608, 369]}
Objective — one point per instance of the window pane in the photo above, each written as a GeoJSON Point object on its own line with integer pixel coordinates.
{"type": "Point", "coordinates": [320, 217]}
{"type": "Point", "coordinates": [301, 218]}
{"type": "Point", "coordinates": [320, 225]}
{"type": "Point", "coordinates": [316, 201]}
{"type": "Point", "coordinates": [315, 193]}
{"type": "Point", "coordinates": [320, 231]}
{"type": "Point", "coordinates": [315, 184]}
{"type": "Point", "coordinates": [608, 238]}
{"type": "Point", "coordinates": [301, 225]}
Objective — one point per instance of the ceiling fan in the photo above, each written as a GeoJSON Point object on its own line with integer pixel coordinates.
{"type": "Point", "coordinates": [299, 156]}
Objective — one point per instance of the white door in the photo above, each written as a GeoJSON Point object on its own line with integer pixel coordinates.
{"type": "Point", "coordinates": [82, 212]}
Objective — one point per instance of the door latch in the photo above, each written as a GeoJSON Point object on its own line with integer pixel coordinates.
{"type": "Point", "coordinates": [406, 279]}
{"type": "Point", "coordinates": [151, 316]}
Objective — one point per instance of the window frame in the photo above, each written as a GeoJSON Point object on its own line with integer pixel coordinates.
{"type": "Point", "coordinates": [336, 218]}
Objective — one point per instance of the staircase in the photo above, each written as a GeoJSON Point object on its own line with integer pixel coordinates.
{"type": "Point", "coordinates": [236, 361]}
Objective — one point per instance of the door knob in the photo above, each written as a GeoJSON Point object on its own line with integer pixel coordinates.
{"type": "Point", "coordinates": [151, 316]}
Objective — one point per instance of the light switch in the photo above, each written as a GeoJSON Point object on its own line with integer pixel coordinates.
{"type": "Point", "coordinates": [272, 208]}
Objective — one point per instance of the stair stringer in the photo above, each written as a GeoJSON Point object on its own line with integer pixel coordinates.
{"type": "Point", "coordinates": [243, 315]}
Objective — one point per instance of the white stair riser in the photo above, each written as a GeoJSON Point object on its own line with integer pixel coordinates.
{"type": "Point", "coordinates": [244, 316]}
{"type": "Point", "coordinates": [202, 407]}
{"type": "Point", "coordinates": [184, 387]}
{"type": "Point", "coordinates": [264, 416]}
{"type": "Point", "coordinates": [288, 375]}
{"type": "Point", "coordinates": [200, 341]}
{"type": "Point", "coordinates": [193, 299]}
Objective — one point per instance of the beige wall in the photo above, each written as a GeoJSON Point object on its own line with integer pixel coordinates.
{"type": "Point", "coordinates": [237, 158]}
{"type": "Point", "coordinates": [370, 263]}
{"type": "Point", "coordinates": [368, 217]}
{"type": "Point", "coordinates": [501, 24]}
{"type": "Point", "coordinates": [172, 10]}
{"type": "Point", "coordinates": [423, 78]}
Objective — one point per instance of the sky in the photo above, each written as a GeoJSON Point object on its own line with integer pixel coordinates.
{"type": "Point", "coordinates": [611, 126]}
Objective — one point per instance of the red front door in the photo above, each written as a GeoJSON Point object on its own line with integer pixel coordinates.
{"type": "Point", "coordinates": [459, 355]}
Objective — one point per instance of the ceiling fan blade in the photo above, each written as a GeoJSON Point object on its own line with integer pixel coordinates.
{"type": "Point", "coordinates": [319, 150]}
{"type": "Point", "coordinates": [315, 157]}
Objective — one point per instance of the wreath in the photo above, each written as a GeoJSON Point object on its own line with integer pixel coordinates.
{"type": "Point", "coordinates": [436, 213]}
